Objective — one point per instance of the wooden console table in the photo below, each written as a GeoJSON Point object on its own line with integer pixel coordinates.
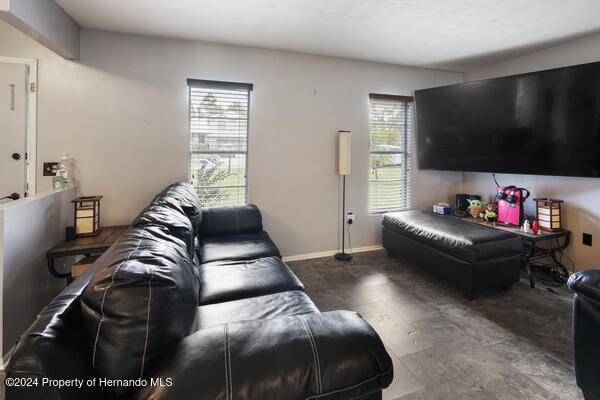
{"type": "Point", "coordinates": [531, 250]}
{"type": "Point", "coordinates": [86, 246]}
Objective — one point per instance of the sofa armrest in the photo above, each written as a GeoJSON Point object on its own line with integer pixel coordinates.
{"type": "Point", "coordinates": [586, 283]}
{"type": "Point", "coordinates": [325, 355]}
{"type": "Point", "coordinates": [52, 348]}
{"type": "Point", "coordinates": [230, 220]}
{"type": "Point", "coordinates": [586, 328]}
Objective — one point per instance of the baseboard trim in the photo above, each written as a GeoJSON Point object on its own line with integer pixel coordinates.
{"type": "Point", "coordinates": [330, 253]}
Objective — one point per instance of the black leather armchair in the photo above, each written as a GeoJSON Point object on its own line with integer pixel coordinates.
{"type": "Point", "coordinates": [586, 331]}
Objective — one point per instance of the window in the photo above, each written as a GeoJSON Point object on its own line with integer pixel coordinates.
{"type": "Point", "coordinates": [218, 150]}
{"type": "Point", "coordinates": [390, 133]}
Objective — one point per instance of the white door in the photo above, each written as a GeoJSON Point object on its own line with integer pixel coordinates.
{"type": "Point", "coordinates": [13, 130]}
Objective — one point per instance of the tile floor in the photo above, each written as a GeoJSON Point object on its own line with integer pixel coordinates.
{"type": "Point", "coordinates": [502, 345]}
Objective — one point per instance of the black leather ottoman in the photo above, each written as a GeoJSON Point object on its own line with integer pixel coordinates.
{"type": "Point", "coordinates": [470, 255]}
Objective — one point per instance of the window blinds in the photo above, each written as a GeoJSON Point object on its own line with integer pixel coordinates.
{"type": "Point", "coordinates": [218, 146]}
{"type": "Point", "coordinates": [390, 145]}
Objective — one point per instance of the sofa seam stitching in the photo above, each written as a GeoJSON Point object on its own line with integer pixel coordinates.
{"type": "Point", "coordinates": [147, 325]}
{"type": "Point", "coordinates": [376, 376]}
{"type": "Point", "coordinates": [315, 353]}
{"type": "Point", "coordinates": [228, 382]}
{"type": "Point", "coordinates": [104, 299]}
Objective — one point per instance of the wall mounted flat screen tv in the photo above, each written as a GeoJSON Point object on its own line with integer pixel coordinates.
{"type": "Point", "coordinates": [539, 123]}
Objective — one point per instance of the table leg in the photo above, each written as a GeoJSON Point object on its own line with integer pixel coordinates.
{"type": "Point", "coordinates": [528, 265]}
{"type": "Point", "coordinates": [57, 274]}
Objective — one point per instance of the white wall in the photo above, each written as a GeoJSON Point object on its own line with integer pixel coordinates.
{"type": "Point", "coordinates": [121, 113]}
{"type": "Point", "coordinates": [580, 195]}
{"type": "Point", "coordinates": [29, 227]}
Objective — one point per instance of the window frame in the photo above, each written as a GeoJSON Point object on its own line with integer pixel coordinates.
{"type": "Point", "coordinates": [404, 152]}
{"type": "Point", "coordinates": [209, 86]}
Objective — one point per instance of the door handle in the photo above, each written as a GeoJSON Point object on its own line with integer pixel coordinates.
{"type": "Point", "coordinates": [12, 196]}
{"type": "Point", "coordinates": [16, 156]}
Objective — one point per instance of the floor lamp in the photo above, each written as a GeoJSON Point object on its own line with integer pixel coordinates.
{"type": "Point", "coordinates": [344, 169]}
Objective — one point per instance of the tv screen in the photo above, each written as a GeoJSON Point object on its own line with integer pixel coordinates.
{"type": "Point", "coordinates": [542, 123]}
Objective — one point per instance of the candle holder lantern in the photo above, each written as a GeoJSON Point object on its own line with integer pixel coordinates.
{"type": "Point", "coordinates": [548, 214]}
{"type": "Point", "coordinates": [87, 215]}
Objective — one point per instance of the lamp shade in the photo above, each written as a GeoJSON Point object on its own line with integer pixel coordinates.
{"type": "Point", "coordinates": [344, 152]}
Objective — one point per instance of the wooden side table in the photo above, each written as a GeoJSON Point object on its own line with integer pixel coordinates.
{"type": "Point", "coordinates": [86, 246]}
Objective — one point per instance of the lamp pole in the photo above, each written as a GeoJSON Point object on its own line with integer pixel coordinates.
{"type": "Point", "coordinates": [343, 256]}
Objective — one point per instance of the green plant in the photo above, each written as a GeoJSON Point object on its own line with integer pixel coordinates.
{"type": "Point", "coordinates": [208, 181]}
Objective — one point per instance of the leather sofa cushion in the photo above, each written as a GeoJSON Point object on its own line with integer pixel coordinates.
{"type": "Point", "coordinates": [233, 280]}
{"type": "Point", "coordinates": [184, 195]}
{"type": "Point", "coordinates": [230, 220]}
{"type": "Point", "coordinates": [178, 224]}
{"type": "Point", "coordinates": [465, 240]}
{"type": "Point", "coordinates": [245, 246]}
{"type": "Point", "coordinates": [140, 301]}
{"type": "Point", "coordinates": [283, 304]}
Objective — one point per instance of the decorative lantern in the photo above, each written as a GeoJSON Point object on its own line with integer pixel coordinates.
{"type": "Point", "coordinates": [548, 214]}
{"type": "Point", "coordinates": [87, 215]}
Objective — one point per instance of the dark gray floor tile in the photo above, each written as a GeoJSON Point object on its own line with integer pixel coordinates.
{"type": "Point", "coordinates": [398, 335]}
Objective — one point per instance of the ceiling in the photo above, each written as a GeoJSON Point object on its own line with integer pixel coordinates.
{"type": "Point", "coordinates": [455, 35]}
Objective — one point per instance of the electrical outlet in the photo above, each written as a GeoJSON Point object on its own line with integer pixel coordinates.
{"type": "Point", "coordinates": [350, 218]}
{"type": "Point", "coordinates": [50, 168]}
{"type": "Point", "coordinates": [587, 239]}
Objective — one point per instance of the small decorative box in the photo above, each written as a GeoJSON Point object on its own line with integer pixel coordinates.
{"type": "Point", "coordinates": [442, 209]}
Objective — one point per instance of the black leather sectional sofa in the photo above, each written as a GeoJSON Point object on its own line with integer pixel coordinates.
{"type": "Point", "coordinates": [195, 303]}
